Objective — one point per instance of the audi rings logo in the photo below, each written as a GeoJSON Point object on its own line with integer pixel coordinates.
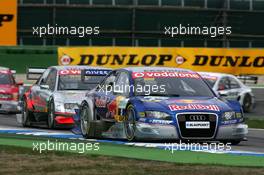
{"type": "Point", "coordinates": [197, 117]}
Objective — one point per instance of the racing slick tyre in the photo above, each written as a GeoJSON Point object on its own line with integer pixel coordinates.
{"type": "Point", "coordinates": [130, 123]}
{"type": "Point", "coordinates": [247, 103]}
{"type": "Point", "coordinates": [51, 116]}
{"type": "Point", "coordinates": [26, 114]}
{"type": "Point", "coordinates": [86, 119]}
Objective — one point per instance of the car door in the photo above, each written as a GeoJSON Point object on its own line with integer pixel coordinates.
{"type": "Point", "coordinates": [235, 88]}
{"type": "Point", "coordinates": [35, 91]}
{"type": "Point", "coordinates": [103, 96]}
{"type": "Point", "coordinates": [107, 103]}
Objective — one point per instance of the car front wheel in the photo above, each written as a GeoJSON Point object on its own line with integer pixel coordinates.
{"type": "Point", "coordinates": [247, 103]}
{"type": "Point", "coordinates": [51, 115]}
{"type": "Point", "coordinates": [26, 114]}
{"type": "Point", "coordinates": [130, 123]}
{"type": "Point", "coordinates": [86, 118]}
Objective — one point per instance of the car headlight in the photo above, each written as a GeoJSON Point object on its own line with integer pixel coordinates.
{"type": "Point", "coordinates": [59, 107]}
{"type": "Point", "coordinates": [70, 105]}
{"type": "Point", "coordinates": [157, 115]}
{"type": "Point", "coordinates": [239, 115]}
{"type": "Point", "coordinates": [228, 116]}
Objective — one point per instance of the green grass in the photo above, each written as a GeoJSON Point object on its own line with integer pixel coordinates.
{"type": "Point", "coordinates": [149, 153]}
{"type": "Point", "coordinates": [254, 123]}
{"type": "Point", "coordinates": [18, 160]}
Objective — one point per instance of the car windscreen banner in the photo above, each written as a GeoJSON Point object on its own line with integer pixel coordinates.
{"type": "Point", "coordinates": [8, 22]}
{"type": "Point", "coordinates": [234, 61]}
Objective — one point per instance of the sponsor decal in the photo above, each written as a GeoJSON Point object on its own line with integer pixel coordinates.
{"type": "Point", "coordinates": [175, 107]}
{"type": "Point", "coordinates": [69, 72]}
{"type": "Point", "coordinates": [5, 72]}
{"type": "Point", "coordinates": [197, 125]}
{"type": "Point", "coordinates": [234, 61]}
{"type": "Point", "coordinates": [100, 102]}
{"type": "Point", "coordinates": [8, 22]}
{"type": "Point", "coordinates": [208, 77]}
{"type": "Point", "coordinates": [90, 72]}
{"type": "Point", "coordinates": [163, 122]}
{"type": "Point", "coordinates": [66, 60]}
{"type": "Point", "coordinates": [164, 74]}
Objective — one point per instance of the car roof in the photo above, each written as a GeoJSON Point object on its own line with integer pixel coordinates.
{"type": "Point", "coordinates": [142, 69]}
{"type": "Point", "coordinates": [78, 67]}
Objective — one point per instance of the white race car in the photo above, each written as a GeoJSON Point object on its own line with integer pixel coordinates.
{"type": "Point", "coordinates": [230, 87]}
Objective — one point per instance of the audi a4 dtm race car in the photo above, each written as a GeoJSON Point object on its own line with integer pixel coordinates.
{"type": "Point", "coordinates": [57, 92]}
{"type": "Point", "coordinates": [9, 91]}
{"type": "Point", "coordinates": [153, 103]}
{"type": "Point", "coordinates": [230, 87]}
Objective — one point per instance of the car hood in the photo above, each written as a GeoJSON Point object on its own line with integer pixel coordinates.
{"type": "Point", "coordinates": [69, 96]}
{"type": "Point", "coordinates": [180, 104]}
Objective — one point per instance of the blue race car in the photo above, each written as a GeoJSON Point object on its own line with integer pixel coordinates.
{"type": "Point", "coordinates": [155, 103]}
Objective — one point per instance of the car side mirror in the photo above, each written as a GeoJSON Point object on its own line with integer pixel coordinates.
{"type": "Point", "coordinates": [20, 83]}
{"type": "Point", "coordinates": [44, 86]}
{"type": "Point", "coordinates": [221, 94]}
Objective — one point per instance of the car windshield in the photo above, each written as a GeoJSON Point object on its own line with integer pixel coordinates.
{"type": "Point", "coordinates": [172, 86]}
{"type": "Point", "coordinates": [74, 82]}
{"type": "Point", "coordinates": [6, 79]}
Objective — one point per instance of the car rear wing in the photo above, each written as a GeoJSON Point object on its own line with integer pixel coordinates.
{"type": "Point", "coordinates": [248, 80]}
{"type": "Point", "coordinates": [86, 75]}
{"type": "Point", "coordinates": [33, 73]}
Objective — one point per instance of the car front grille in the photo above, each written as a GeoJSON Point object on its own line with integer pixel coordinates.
{"type": "Point", "coordinates": [197, 131]}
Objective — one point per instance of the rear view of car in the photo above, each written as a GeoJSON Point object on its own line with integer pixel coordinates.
{"type": "Point", "coordinates": [9, 90]}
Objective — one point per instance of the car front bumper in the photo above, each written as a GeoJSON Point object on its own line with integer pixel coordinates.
{"type": "Point", "coordinates": [9, 106]}
{"type": "Point", "coordinates": [158, 131]}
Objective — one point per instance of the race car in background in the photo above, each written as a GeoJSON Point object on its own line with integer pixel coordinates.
{"type": "Point", "coordinates": [57, 92]}
{"type": "Point", "coordinates": [230, 87]}
{"type": "Point", "coordinates": [9, 91]}
{"type": "Point", "coordinates": [153, 103]}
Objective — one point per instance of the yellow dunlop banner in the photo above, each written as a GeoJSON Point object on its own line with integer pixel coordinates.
{"type": "Point", "coordinates": [8, 22]}
{"type": "Point", "coordinates": [234, 61]}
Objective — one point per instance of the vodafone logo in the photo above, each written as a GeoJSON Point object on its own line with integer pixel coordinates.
{"type": "Point", "coordinates": [165, 75]}
{"type": "Point", "coordinates": [69, 72]}
{"type": "Point", "coordinates": [65, 60]}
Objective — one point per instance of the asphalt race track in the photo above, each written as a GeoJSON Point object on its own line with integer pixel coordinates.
{"type": "Point", "coordinates": [254, 144]}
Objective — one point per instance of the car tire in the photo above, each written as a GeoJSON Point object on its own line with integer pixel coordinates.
{"type": "Point", "coordinates": [247, 103]}
{"type": "Point", "coordinates": [130, 123]}
{"type": "Point", "coordinates": [26, 114]}
{"type": "Point", "coordinates": [85, 119]}
{"type": "Point", "coordinates": [51, 116]}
